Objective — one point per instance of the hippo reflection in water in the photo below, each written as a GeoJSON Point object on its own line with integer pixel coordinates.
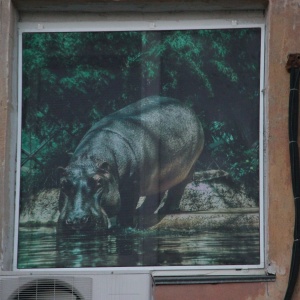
{"type": "Point", "coordinates": [144, 149]}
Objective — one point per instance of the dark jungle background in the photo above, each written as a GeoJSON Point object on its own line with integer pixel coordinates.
{"type": "Point", "coordinates": [72, 80]}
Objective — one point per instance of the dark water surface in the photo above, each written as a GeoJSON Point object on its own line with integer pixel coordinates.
{"type": "Point", "coordinates": [42, 248]}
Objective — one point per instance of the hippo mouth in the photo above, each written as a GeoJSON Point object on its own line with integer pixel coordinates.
{"type": "Point", "coordinates": [95, 221]}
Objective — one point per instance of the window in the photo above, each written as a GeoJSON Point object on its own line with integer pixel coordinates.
{"type": "Point", "coordinates": [109, 180]}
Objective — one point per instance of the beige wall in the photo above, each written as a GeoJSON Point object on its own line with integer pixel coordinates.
{"type": "Point", "coordinates": [283, 28]}
{"type": "Point", "coordinates": [7, 129]}
{"type": "Point", "coordinates": [283, 37]}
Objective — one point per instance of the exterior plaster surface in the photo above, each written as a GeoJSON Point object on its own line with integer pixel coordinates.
{"type": "Point", "coordinates": [138, 6]}
{"type": "Point", "coordinates": [232, 291]}
{"type": "Point", "coordinates": [283, 28]}
{"type": "Point", "coordinates": [7, 130]}
{"type": "Point", "coordinates": [283, 39]}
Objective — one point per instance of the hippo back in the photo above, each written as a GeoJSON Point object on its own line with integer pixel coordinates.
{"type": "Point", "coordinates": [157, 140]}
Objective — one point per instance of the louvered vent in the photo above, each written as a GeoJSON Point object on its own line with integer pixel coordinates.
{"type": "Point", "coordinates": [42, 288]}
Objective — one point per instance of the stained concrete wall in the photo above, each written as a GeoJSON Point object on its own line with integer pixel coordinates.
{"type": "Point", "coordinates": [283, 37]}
{"type": "Point", "coordinates": [283, 27]}
{"type": "Point", "coordinates": [8, 123]}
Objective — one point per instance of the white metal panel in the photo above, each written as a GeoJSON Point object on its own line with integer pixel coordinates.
{"type": "Point", "coordinates": [122, 287]}
{"type": "Point", "coordinates": [45, 287]}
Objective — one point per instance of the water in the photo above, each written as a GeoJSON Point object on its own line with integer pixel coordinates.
{"type": "Point", "coordinates": [42, 248]}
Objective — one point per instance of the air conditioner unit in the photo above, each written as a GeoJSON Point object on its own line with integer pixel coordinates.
{"type": "Point", "coordinates": [79, 287]}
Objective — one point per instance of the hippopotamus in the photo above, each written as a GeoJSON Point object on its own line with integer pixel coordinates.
{"type": "Point", "coordinates": [145, 149]}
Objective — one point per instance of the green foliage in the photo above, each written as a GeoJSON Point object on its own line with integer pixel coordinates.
{"type": "Point", "coordinates": [241, 162]}
{"type": "Point", "coordinates": [71, 80]}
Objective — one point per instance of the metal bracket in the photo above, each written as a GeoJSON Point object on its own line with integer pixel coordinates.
{"type": "Point", "coordinates": [293, 61]}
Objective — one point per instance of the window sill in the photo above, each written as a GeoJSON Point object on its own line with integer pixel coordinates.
{"type": "Point", "coordinates": [211, 279]}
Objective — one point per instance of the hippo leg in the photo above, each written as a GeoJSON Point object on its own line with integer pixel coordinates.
{"type": "Point", "coordinates": [150, 203]}
{"type": "Point", "coordinates": [129, 199]}
{"type": "Point", "coordinates": [172, 201]}
{"type": "Point", "coordinates": [145, 214]}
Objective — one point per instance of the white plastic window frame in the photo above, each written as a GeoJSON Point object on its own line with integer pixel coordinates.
{"type": "Point", "coordinates": [148, 22]}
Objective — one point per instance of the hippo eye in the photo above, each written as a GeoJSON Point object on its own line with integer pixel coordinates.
{"type": "Point", "coordinates": [95, 182]}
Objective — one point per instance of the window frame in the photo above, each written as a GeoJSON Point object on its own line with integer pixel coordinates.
{"type": "Point", "coordinates": [151, 22]}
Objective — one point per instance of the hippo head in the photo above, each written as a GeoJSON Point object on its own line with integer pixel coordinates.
{"type": "Point", "coordinates": [89, 196]}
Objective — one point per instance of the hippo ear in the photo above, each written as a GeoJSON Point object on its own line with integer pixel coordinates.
{"type": "Point", "coordinates": [61, 171]}
{"type": "Point", "coordinates": [63, 181]}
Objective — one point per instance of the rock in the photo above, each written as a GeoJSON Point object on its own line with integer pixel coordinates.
{"type": "Point", "coordinates": [214, 189]}
{"type": "Point", "coordinates": [211, 220]}
{"type": "Point", "coordinates": [211, 201]}
{"type": "Point", "coordinates": [42, 209]}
